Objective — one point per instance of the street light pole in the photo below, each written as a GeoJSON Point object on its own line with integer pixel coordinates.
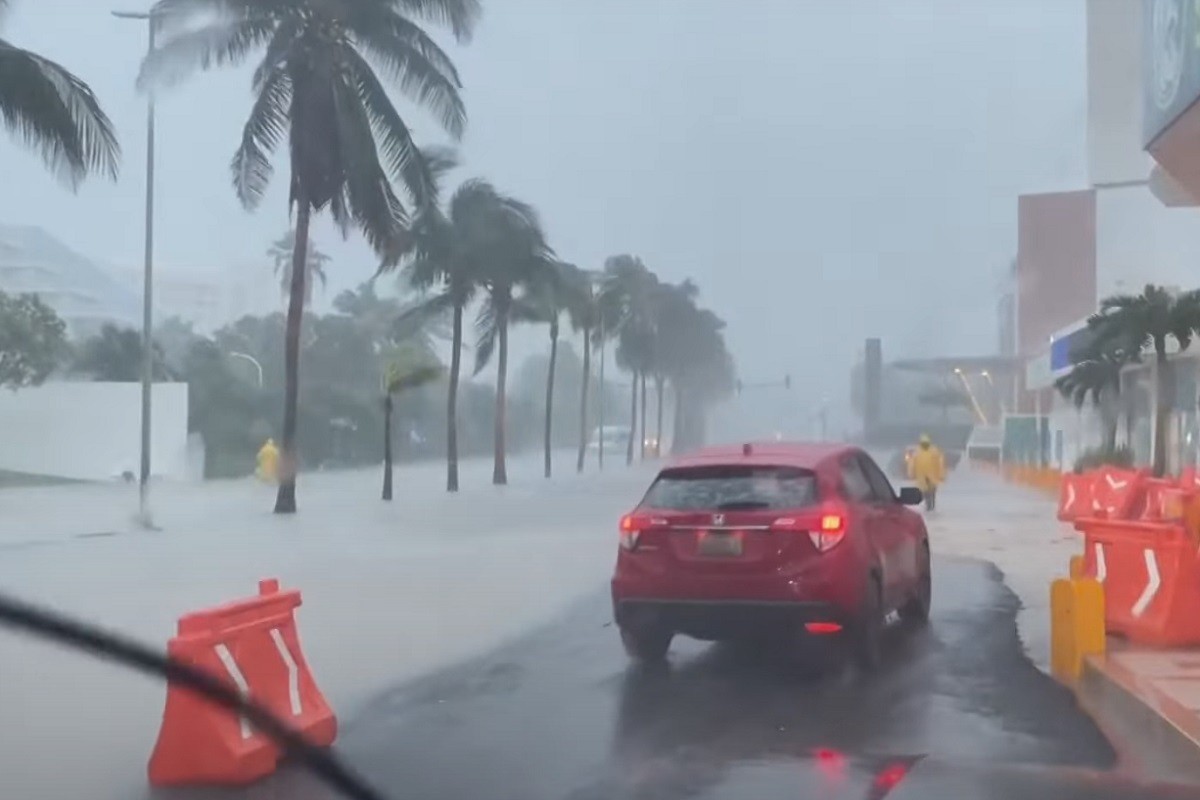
{"type": "Point", "coordinates": [147, 287]}
{"type": "Point", "coordinates": [252, 360]}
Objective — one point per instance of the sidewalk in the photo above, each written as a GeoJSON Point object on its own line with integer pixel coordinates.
{"type": "Point", "coordinates": [980, 516]}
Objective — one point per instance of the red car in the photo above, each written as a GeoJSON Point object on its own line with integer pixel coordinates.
{"type": "Point", "coordinates": [771, 542]}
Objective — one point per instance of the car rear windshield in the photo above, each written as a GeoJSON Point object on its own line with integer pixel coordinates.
{"type": "Point", "coordinates": [728, 488]}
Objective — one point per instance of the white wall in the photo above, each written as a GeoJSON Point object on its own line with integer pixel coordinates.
{"type": "Point", "coordinates": [91, 431]}
{"type": "Point", "coordinates": [1139, 241]}
{"type": "Point", "coordinates": [1114, 62]}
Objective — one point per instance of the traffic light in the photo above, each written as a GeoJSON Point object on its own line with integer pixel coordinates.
{"type": "Point", "coordinates": [787, 381]}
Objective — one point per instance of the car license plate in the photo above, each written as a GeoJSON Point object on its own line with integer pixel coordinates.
{"type": "Point", "coordinates": [720, 544]}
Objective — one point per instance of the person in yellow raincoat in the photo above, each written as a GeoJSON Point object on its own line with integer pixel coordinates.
{"type": "Point", "coordinates": [268, 462]}
{"type": "Point", "coordinates": [927, 468]}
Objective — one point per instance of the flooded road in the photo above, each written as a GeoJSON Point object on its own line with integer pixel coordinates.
{"type": "Point", "coordinates": [958, 713]}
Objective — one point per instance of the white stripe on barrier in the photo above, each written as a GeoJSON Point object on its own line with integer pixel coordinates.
{"type": "Point", "coordinates": [293, 671]}
{"type": "Point", "coordinates": [1115, 485]}
{"type": "Point", "coordinates": [239, 680]}
{"type": "Point", "coordinates": [1101, 566]}
{"type": "Point", "coordinates": [1070, 498]}
{"type": "Point", "coordinates": [1154, 580]}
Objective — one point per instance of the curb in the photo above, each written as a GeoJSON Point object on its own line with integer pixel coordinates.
{"type": "Point", "coordinates": [1154, 735]}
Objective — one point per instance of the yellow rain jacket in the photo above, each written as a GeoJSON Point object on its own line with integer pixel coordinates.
{"type": "Point", "coordinates": [927, 468]}
{"type": "Point", "coordinates": [268, 462]}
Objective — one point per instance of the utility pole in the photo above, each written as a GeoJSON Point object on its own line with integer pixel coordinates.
{"type": "Point", "coordinates": [144, 518]}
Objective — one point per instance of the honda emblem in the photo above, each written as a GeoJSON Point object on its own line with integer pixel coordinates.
{"type": "Point", "coordinates": [718, 519]}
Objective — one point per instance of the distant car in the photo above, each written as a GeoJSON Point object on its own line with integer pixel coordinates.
{"type": "Point", "coordinates": [774, 542]}
{"type": "Point", "coordinates": [616, 440]}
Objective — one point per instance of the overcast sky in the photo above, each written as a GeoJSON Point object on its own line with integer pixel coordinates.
{"type": "Point", "coordinates": [825, 169]}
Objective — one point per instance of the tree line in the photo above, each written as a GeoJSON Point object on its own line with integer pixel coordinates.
{"type": "Point", "coordinates": [321, 91]}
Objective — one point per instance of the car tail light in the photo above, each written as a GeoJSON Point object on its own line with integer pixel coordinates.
{"type": "Point", "coordinates": [820, 628]}
{"type": "Point", "coordinates": [825, 531]}
{"type": "Point", "coordinates": [631, 528]}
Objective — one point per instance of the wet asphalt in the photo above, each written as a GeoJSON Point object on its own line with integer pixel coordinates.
{"type": "Point", "coordinates": [958, 712]}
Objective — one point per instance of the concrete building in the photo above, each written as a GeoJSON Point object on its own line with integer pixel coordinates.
{"type": "Point", "coordinates": [81, 292]}
{"type": "Point", "coordinates": [1135, 223]}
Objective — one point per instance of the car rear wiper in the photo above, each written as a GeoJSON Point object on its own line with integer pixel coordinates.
{"type": "Point", "coordinates": [743, 505]}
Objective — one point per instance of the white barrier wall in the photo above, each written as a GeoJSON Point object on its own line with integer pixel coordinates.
{"type": "Point", "coordinates": [92, 430]}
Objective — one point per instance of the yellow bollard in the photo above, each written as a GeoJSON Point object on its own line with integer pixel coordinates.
{"type": "Point", "coordinates": [1076, 566]}
{"type": "Point", "coordinates": [1076, 625]}
{"type": "Point", "coordinates": [1062, 643]}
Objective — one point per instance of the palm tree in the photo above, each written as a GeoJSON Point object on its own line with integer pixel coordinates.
{"type": "Point", "coordinates": [674, 305]}
{"type": "Point", "coordinates": [584, 311]}
{"type": "Point", "coordinates": [1150, 319]}
{"type": "Point", "coordinates": [690, 351]}
{"type": "Point", "coordinates": [1096, 375]}
{"type": "Point", "coordinates": [563, 288]}
{"type": "Point", "coordinates": [446, 262]}
{"type": "Point", "coordinates": [52, 111]}
{"type": "Point", "coordinates": [629, 289]}
{"type": "Point", "coordinates": [281, 251]}
{"type": "Point", "coordinates": [518, 257]}
{"type": "Point", "coordinates": [317, 87]}
{"type": "Point", "coordinates": [399, 379]}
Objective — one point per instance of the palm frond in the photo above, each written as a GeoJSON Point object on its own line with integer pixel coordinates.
{"type": "Point", "coordinates": [264, 130]}
{"type": "Point", "coordinates": [417, 316]}
{"type": "Point", "coordinates": [224, 40]}
{"type": "Point", "coordinates": [487, 330]}
{"type": "Point", "coordinates": [460, 16]}
{"type": "Point", "coordinates": [406, 164]}
{"type": "Point", "coordinates": [398, 380]}
{"type": "Point", "coordinates": [410, 58]}
{"type": "Point", "coordinates": [56, 113]}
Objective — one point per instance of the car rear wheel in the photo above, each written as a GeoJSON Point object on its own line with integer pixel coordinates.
{"type": "Point", "coordinates": [916, 611]}
{"type": "Point", "coordinates": [867, 638]}
{"type": "Point", "coordinates": [646, 644]}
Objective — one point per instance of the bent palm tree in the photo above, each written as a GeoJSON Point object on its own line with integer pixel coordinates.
{"type": "Point", "coordinates": [397, 380]}
{"type": "Point", "coordinates": [52, 111]}
{"type": "Point", "coordinates": [562, 288]}
{"type": "Point", "coordinates": [317, 88]}
{"type": "Point", "coordinates": [1150, 319]}
{"type": "Point", "coordinates": [449, 253]}
{"type": "Point", "coordinates": [1096, 375]}
{"type": "Point", "coordinates": [629, 289]}
{"type": "Point", "coordinates": [518, 257]}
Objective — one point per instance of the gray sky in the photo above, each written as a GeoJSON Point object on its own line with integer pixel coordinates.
{"type": "Point", "coordinates": [825, 169]}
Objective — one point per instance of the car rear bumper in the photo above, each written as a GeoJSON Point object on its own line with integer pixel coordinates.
{"type": "Point", "coordinates": [723, 619]}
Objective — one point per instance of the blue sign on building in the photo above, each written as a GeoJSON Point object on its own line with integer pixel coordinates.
{"type": "Point", "coordinates": [1065, 349]}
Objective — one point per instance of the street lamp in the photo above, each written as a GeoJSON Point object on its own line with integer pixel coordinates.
{"type": "Point", "coordinates": [252, 360]}
{"type": "Point", "coordinates": [147, 284]}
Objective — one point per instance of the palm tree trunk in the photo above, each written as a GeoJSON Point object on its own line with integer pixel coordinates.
{"type": "Point", "coordinates": [643, 436]}
{"type": "Point", "coordinates": [583, 399]}
{"type": "Point", "coordinates": [452, 401]}
{"type": "Point", "coordinates": [550, 391]}
{"type": "Point", "coordinates": [633, 394]}
{"type": "Point", "coordinates": [499, 472]}
{"type": "Point", "coordinates": [659, 385]}
{"type": "Point", "coordinates": [387, 446]}
{"type": "Point", "coordinates": [285, 500]}
{"type": "Point", "coordinates": [677, 436]}
{"type": "Point", "coordinates": [1163, 404]}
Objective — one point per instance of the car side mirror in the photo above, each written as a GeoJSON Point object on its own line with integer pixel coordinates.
{"type": "Point", "coordinates": [910, 496]}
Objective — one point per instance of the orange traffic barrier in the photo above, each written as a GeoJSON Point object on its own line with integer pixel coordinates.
{"type": "Point", "coordinates": [1075, 496]}
{"type": "Point", "coordinates": [252, 645]}
{"type": "Point", "coordinates": [1116, 491]}
{"type": "Point", "coordinates": [1151, 577]}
